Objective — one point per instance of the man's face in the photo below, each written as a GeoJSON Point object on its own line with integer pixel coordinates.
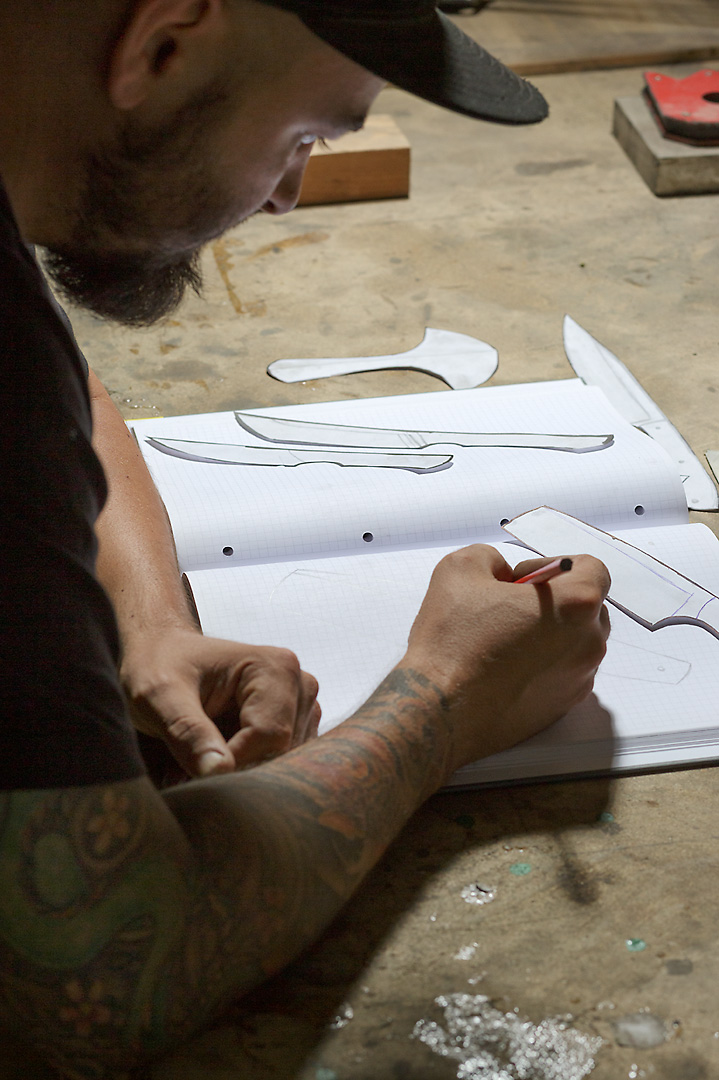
{"type": "Point", "coordinates": [158, 193]}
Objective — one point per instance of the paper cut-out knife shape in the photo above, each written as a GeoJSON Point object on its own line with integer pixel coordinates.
{"type": "Point", "coordinates": [234, 454]}
{"type": "Point", "coordinates": [647, 590]}
{"type": "Point", "coordinates": [279, 429]}
{"type": "Point", "coordinates": [460, 360]}
{"type": "Point", "coordinates": [597, 366]}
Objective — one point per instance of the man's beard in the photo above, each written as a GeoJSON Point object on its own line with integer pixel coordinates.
{"type": "Point", "coordinates": [148, 205]}
{"type": "Point", "coordinates": [134, 290]}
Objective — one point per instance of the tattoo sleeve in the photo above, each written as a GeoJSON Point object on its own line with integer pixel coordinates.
{"type": "Point", "coordinates": [129, 919]}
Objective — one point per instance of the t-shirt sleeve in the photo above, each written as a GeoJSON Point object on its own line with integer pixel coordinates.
{"type": "Point", "coordinates": [63, 720]}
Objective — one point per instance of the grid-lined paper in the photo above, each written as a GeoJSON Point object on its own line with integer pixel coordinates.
{"type": "Point", "coordinates": [223, 515]}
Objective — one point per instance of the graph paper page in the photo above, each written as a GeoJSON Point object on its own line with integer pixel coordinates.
{"type": "Point", "coordinates": [228, 514]}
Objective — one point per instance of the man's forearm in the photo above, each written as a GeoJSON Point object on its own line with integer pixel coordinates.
{"type": "Point", "coordinates": [174, 678]}
{"type": "Point", "coordinates": [310, 825]}
{"type": "Point", "coordinates": [136, 562]}
{"type": "Point", "coordinates": [125, 927]}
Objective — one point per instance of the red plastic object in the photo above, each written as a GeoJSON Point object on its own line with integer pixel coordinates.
{"type": "Point", "coordinates": [686, 109]}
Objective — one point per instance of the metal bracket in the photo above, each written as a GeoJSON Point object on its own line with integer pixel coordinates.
{"type": "Point", "coordinates": [686, 109]}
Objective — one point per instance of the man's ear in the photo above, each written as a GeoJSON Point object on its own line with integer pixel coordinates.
{"type": "Point", "coordinates": [158, 40]}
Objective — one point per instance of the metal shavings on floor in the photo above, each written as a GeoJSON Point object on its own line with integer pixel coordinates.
{"type": "Point", "coordinates": [491, 1045]}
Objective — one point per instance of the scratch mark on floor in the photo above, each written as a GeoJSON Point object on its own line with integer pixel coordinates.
{"type": "Point", "coordinates": [290, 241]}
{"type": "Point", "coordinates": [224, 265]}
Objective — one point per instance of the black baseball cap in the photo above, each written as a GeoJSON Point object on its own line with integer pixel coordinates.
{"type": "Point", "coordinates": [416, 47]}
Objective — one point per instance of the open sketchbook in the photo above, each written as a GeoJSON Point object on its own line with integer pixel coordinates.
{"type": "Point", "coordinates": [316, 527]}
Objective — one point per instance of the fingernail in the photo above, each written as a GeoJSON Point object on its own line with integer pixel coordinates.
{"type": "Point", "coordinates": [212, 761]}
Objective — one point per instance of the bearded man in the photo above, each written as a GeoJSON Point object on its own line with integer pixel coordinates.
{"type": "Point", "coordinates": [132, 132]}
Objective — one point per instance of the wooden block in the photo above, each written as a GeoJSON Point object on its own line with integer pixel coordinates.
{"type": "Point", "coordinates": [668, 167]}
{"type": "Point", "coordinates": [369, 164]}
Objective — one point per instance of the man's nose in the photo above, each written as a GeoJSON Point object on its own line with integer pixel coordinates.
{"type": "Point", "coordinates": [284, 197]}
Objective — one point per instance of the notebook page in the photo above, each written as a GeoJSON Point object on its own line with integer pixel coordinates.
{"type": "Point", "coordinates": [348, 620]}
{"type": "Point", "coordinates": [226, 514]}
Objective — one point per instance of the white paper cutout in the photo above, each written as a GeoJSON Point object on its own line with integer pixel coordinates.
{"type": "Point", "coordinates": [458, 359]}
{"type": "Point", "coordinates": [642, 587]}
{"type": "Point", "coordinates": [598, 366]}
{"type": "Point", "coordinates": [235, 454]}
{"type": "Point", "coordinates": [278, 429]}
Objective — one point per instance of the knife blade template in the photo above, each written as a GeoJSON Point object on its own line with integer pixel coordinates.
{"type": "Point", "coordinates": [596, 365]}
{"type": "Point", "coordinates": [234, 454]}
{"type": "Point", "coordinates": [280, 429]}
{"type": "Point", "coordinates": [644, 588]}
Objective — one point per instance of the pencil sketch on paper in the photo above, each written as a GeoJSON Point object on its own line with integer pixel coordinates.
{"type": "Point", "coordinates": [279, 429]}
{"type": "Point", "coordinates": [235, 454]}
{"type": "Point", "coordinates": [626, 661]}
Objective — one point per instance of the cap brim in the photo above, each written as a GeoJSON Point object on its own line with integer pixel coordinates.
{"type": "Point", "coordinates": [436, 61]}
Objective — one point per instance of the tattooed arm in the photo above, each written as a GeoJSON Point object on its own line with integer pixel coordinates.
{"type": "Point", "coordinates": [128, 919]}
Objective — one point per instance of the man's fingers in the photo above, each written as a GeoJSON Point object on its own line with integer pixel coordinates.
{"type": "Point", "coordinates": [191, 737]}
{"type": "Point", "coordinates": [595, 570]}
{"type": "Point", "coordinates": [308, 710]}
{"type": "Point", "coordinates": [475, 558]}
{"type": "Point", "coordinates": [584, 568]}
{"type": "Point", "coordinates": [528, 566]}
{"type": "Point", "coordinates": [219, 705]}
{"type": "Point", "coordinates": [277, 706]}
{"type": "Point", "coordinates": [213, 762]}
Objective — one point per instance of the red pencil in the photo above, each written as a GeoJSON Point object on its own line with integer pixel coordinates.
{"type": "Point", "coordinates": [546, 573]}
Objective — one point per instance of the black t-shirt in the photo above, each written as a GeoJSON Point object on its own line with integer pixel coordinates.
{"type": "Point", "coordinates": [62, 715]}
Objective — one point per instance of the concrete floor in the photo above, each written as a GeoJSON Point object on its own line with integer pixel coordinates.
{"type": "Point", "coordinates": [504, 232]}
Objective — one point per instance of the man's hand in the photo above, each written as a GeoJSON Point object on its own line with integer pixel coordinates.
{"type": "Point", "coordinates": [182, 685]}
{"type": "Point", "coordinates": [507, 659]}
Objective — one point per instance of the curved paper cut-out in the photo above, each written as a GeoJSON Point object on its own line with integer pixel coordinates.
{"type": "Point", "coordinates": [458, 359]}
